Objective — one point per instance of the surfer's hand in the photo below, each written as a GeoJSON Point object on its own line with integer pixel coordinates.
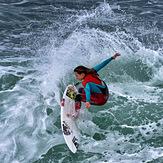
{"type": "Point", "coordinates": [87, 105]}
{"type": "Point", "coordinates": [116, 54]}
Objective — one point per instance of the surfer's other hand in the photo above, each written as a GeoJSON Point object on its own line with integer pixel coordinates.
{"type": "Point", "coordinates": [116, 54]}
{"type": "Point", "coordinates": [87, 105]}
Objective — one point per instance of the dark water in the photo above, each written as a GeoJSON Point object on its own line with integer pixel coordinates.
{"type": "Point", "coordinates": [43, 41]}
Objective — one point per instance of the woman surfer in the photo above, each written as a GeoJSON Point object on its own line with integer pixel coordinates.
{"type": "Point", "coordinates": [95, 90]}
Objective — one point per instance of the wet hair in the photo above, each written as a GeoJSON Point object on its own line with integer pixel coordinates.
{"type": "Point", "coordinates": [85, 70]}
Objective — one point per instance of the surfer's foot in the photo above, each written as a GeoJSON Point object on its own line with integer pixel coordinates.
{"type": "Point", "coordinates": [71, 88]}
{"type": "Point", "coordinates": [73, 116]}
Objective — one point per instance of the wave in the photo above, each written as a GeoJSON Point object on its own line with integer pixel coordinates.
{"type": "Point", "coordinates": [31, 88]}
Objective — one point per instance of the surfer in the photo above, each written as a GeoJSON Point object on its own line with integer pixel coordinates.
{"type": "Point", "coordinates": [95, 91]}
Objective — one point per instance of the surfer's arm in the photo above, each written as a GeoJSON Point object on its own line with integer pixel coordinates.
{"type": "Point", "coordinates": [88, 96]}
{"type": "Point", "coordinates": [87, 92]}
{"type": "Point", "coordinates": [104, 63]}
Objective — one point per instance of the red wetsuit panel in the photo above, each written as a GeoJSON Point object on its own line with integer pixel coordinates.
{"type": "Point", "coordinates": [96, 98]}
{"type": "Point", "coordinates": [91, 78]}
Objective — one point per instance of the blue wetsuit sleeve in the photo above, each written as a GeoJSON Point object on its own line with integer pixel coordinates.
{"type": "Point", "coordinates": [103, 64]}
{"type": "Point", "coordinates": [87, 92]}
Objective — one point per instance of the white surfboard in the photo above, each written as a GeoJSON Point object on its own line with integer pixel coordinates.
{"type": "Point", "coordinates": [68, 125]}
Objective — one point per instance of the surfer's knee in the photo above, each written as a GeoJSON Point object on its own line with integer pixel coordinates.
{"type": "Point", "coordinates": [80, 90]}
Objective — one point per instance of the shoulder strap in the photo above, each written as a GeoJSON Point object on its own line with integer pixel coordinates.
{"type": "Point", "coordinates": [96, 77]}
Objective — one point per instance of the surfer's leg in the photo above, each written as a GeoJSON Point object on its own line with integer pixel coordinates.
{"type": "Point", "coordinates": [77, 106]}
{"type": "Point", "coordinates": [96, 98]}
{"type": "Point", "coordinates": [80, 90]}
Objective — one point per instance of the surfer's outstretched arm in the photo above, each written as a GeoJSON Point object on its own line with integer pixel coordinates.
{"type": "Point", "coordinates": [104, 63]}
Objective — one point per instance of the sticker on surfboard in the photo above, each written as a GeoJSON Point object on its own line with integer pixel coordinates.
{"type": "Point", "coordinates": [66, 129]}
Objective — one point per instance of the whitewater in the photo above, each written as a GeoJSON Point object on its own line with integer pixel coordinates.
{"type": "Point", "coordinates": [43, 41]}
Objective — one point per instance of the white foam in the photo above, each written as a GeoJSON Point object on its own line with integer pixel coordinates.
{"type": "Point", "coordinates": [24, 119]}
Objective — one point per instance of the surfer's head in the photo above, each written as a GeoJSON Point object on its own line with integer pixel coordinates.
{"type": "Point", "coordinates": [79, 76]}
{"type": "Point", "coordinates": [81, 71]}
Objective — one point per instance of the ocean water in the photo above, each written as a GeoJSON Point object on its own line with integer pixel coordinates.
{"type": "Point", "coordinates": [43, 41]}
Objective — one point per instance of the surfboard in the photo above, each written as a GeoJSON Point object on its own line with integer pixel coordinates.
{"type": "Point", "coordinates": [68, 124]}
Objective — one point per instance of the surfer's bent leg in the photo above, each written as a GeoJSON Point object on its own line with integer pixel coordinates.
{"type": "Point", "coordinates": [96, 98]}
{"type": "Point", "coordinates": [77, 106]}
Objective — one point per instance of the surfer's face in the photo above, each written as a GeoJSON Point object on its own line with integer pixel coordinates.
{"type": "Point", "coordinates": [79, 76]}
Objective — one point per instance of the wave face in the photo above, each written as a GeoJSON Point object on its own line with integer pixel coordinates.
{"type": "Point", "coordinates": [43, 41]}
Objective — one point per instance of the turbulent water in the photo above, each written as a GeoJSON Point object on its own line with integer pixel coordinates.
{"type": "Point", "coordinates": [43, 41]}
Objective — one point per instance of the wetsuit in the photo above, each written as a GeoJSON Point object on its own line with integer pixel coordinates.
{"type": "Point", "coordinates": [95, 90]}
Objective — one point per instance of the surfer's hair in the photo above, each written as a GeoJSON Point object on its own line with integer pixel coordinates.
{"type": "Point", "coordinates": [82, 69]}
